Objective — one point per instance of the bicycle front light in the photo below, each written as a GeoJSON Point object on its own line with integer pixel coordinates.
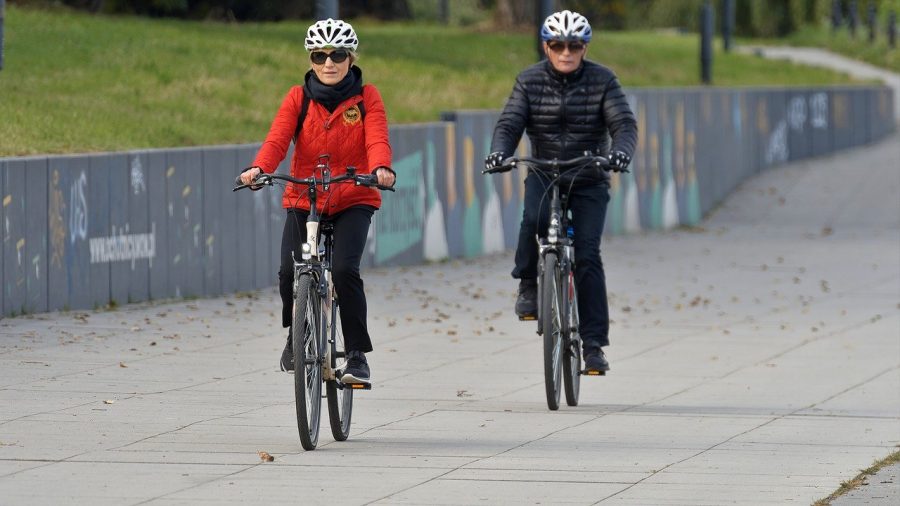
{"type": "Point", "coordinates": [305, 251]}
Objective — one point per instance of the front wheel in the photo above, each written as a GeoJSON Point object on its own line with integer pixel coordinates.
{"type": "Point", "coordinates": [340, 398]}
{"type": "Point", "coordinates": [572, 351]}
{"type": "Point", "coordinates": [551, 327]}
{"type": "Point", "coordinates": [308, 356]}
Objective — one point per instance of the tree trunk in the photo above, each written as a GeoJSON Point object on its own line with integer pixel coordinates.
{"type": "Point", "coordinates": [512, 14]}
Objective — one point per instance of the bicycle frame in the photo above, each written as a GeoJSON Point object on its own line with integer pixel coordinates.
{"type": "Point", "coordinates": [315, 260]}
{"type": "Point", "coordinates": [558, 241]}
{"type": "Point", "coordinates": [557, 318]}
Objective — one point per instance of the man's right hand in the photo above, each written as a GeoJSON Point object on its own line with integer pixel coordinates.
{"type": "Point", "coordinates": [249, 175]}
{"type": "Point", "coordinates": [494, 160]}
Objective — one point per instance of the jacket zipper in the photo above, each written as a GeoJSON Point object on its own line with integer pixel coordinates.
{"type": "Point", "coordinates": [563, 118]}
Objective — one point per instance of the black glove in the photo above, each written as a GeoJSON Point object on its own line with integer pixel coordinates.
{"type": "Point", "coordinates": [619, 161]}
{"type": "Point", "coordinates": [494, 160]}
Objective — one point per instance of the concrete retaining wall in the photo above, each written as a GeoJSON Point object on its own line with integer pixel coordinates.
{"type": "Point", "coordinates": [84, 231]}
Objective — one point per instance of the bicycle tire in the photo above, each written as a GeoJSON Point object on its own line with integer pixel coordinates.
{"type": "Point", "coordinates": [551, 323]}
{"type": "Point", "coordinates": [307, 330]}
{"type": "Point", "coordinates": [572, 351]}
{"type": "Point", "coordinates": [340, 399]}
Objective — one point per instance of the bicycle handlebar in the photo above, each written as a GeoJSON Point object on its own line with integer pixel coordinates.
{"type": "Point", "coordinates": [537, 163]}
{"type": "Point", "coordinates": [370, 180]}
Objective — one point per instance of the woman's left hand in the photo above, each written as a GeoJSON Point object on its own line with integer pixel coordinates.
{"type": "Point", "coordinates": [385, 176]}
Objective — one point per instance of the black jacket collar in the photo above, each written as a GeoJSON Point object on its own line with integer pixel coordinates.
{"type": "Point", "coordinates": [559, 76]}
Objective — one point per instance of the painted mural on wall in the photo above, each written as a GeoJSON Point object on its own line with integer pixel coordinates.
{"type": "Point", "coordinates": [126, 227]}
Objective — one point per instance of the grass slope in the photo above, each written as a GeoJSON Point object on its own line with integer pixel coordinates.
{"type": "Point", "coordinates": [78, 83]}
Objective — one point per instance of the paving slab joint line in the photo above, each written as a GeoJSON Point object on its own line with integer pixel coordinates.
{"type": "Point", "coordinates": [479, 459]}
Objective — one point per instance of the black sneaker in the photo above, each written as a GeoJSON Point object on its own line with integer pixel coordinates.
{"type": "Point", "coordinates": [526, 302]}
{"type": "Point", "coordinates": [287, 356]}
{"type": "Point", "coordinates": [595, 362]}
{"type": "Point", "coordinates": [357, 368]}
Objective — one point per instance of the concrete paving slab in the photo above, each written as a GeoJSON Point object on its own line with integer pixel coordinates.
{"type": "Point", "coordinates": [448, 491]}
{"type": "Point", "coordinates": [309, 485]}
{"type": "Point", "coordinates": [102, 483]}
{"type": "Point", "coordinates": [754, 360]}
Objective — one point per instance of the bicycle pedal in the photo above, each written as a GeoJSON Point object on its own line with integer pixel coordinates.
{"type": "Point", "coordinates": [593, 373]}
{"type": "Point", "coordinates": [359, 386]}
{"type": "Point", "coordinates": [527, 318]}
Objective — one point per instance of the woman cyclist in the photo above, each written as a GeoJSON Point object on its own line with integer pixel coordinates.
{"type": "Point", "coordinates": [346, 120]}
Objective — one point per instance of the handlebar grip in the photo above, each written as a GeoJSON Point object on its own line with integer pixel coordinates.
{"type": "Point", "coordinates": [371, 180]}
{"type": "Point", "coordinates": [255, 185]}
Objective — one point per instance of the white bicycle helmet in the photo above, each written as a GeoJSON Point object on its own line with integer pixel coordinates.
{"type": "Point", "coordinates": [332, 33]}
{"type": "Point", "coordinates": [566, 26]}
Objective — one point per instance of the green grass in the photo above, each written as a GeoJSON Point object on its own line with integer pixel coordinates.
{"type": "Point", "coordinates": [79, 83]}
{"type": "Point", "coordinates": [860, 479]}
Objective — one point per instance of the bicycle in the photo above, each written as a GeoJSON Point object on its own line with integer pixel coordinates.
{"type": "Point", "coordinates": [316, 314]}
{"type": "Point", "coordinates": [557, 302]}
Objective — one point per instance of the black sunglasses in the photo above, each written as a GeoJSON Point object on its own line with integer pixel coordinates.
{"type": "Point", "coordinates": [558, 46]}
{"type": "Point", "coordinates": [337, 56]}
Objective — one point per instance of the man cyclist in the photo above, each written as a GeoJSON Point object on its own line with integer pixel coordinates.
{"type": "Point", "coordinates": [568, 106]}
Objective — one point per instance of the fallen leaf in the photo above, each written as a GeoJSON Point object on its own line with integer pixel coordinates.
{"type": "Point", "coordinates": [265, 457]}
{"type": "Point", "coordinates": [109, 401]}
{"type": "Point", "coordinates": [122, 365]}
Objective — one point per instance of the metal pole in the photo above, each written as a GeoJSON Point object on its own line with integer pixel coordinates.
{"type": "Point", "coordinates": [326, 9]}
{"type": "Point", "coordinates": [892, 29]}
{"type": "Point", "coordinates": [836, 20]}
{"type": "Point", "coordinates": [544, 9]}
{"type": "Point", "coordinates": [872, 21]}
{"type": "Point", "coordinates": [727, 23]}
{"type": "Point", "coordinates": [706, 41]}
{"type": "Point", "coordinates": [2, 17]}
{"type": "Point", "coordinates": [444, 11]}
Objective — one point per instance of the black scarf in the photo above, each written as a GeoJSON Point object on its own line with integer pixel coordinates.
{"type": "Point", "coordinates": [332, 96]}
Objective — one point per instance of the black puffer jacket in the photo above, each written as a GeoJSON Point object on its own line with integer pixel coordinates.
{"type": "Point", "coordinates": [565, 115]}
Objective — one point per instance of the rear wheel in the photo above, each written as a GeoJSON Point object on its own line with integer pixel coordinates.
{"type": "Point", "coordinates": [307, 332]}
{"type": "Point", "coordinates": [340, 398]}
{"type": "Point", "coordinates": [551, 327]}
{"type": "Point", "coordinates": [572, 351]}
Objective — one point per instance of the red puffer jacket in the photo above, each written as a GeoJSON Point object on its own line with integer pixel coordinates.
{"type": "Point", "coordinates": [349, 138]}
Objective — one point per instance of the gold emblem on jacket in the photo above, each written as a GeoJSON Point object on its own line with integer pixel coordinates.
{"type": "Point", "coordinates": [352, 115]}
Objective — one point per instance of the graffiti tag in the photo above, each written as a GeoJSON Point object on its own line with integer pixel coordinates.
{"type": "Point", "coordinates": [797, 113]}
{"type": "Point", "coordinates": [57, 223]}
{"type": "Point", "coordinates": [777, 150]}
{"type": "Point", "coordinates": [121, 247]}
{"type": "Point", "coordinates": [137, 176]}
{"type": "Point", "coordinates": [818, 110]}
{"type": "Point", "coordinates": [78, 218]}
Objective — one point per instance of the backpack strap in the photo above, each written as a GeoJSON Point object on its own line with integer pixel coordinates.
{"type": "Point", "coordinates": [300, 119]}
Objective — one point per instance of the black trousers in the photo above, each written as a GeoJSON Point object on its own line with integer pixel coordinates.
{"type": "Point", "coordinates": [588, 206]}
{"type": "Point", "coordinates": [351, 227]}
